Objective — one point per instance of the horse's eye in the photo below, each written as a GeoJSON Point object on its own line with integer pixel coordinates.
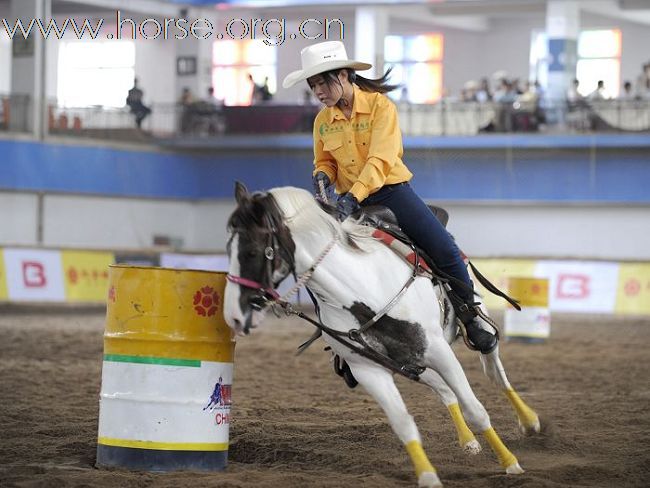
{"type": "Point", "coordinates": [252, 254]}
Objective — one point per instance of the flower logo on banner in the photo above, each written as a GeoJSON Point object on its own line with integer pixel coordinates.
{"type": "Point", "coordinates": [206, 301]}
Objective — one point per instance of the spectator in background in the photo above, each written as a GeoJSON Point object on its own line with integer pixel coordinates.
{"type": "Point", "coordinates": [484, 94]}
{"type": "Point", "coordinates": [186, 102]}
{"type": "Point", "coordinates": [468, 94]}
{"type": "Point", "coordinates": [627, 93]}
{"type": "Point", "coordinates": [404, 95]}
{"type": "Point", "coordinates": [265, 91]}
{"type": "Point", "coordinates": [643, 83]}
{"type": "Point", "coordinates": [209, 113]}
{"type": "Point", "coordinates": [600, 93]}
{"type": "Point", "coordinates": [573, 96]}
{"type": "Point", "coordinates": [256, 91]}
{"type": "Point", "coordinates": [135, 104]}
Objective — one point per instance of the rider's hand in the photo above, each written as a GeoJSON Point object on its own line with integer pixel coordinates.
{"type": "Point", "coordinates": [320, 177]}
{"type": "Point", "coordinates": [346, 205]}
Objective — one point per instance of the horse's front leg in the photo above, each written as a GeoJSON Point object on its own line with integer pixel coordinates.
{"type": "Point", "coordinates": [379, 383]}
{"type": "Point", "coordinates": [528, 420]}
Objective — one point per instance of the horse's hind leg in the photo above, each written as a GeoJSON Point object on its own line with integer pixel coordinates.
{"type": "Point", "coordinates": [493, 369]}
{"type": "Point", "coordinates": [379, 383]}
{"type": "Point", "coordinates": [443, 360]}
{"type": "Point", "coordinates": [466, 438]}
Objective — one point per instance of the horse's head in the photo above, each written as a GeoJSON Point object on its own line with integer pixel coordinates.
{"type": "Point", "coordinates": [261, 254]}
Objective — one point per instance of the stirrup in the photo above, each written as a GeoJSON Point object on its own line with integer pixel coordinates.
{"type": "Point", "coordinates": [342, 369]}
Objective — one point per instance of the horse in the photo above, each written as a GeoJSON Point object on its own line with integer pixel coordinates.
{"type": "Point", "coordinates": [352, 276]}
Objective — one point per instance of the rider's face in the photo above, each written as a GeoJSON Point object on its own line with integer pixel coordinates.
{"type": "Point", "coordinates": [326, 94]}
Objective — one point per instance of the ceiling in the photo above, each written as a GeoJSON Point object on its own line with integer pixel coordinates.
{"type": "Point", "coordinates": [463, 14]}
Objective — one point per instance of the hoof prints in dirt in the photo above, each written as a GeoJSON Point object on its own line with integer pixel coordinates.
{"type": "Point", "coordinates": [248, 451]}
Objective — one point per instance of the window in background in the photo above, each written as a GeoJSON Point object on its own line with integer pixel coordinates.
{"type": "Point", "coordinates": [234, 61]}
{"type": "Point", "coordinates": [94, 73]}
{"type": "Point", "coordinates": [599, 58]}
{"type": "Point", "coordinates": [417, 65]}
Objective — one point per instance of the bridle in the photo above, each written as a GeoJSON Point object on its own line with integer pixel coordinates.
{"type": "Point", "coordinates": [266, 293]}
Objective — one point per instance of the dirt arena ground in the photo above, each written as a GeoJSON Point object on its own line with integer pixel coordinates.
{"type": "Point", "coordinates": [295, 423]}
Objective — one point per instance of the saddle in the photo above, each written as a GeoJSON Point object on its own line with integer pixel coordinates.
{"type": "Point", "coordinates": [389, 232]}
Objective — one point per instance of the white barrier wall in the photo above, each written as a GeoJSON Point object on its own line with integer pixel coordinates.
{"type": "Point", "coordinates": [598, 231]}
{"type": "Point", "coordinates": [18, 218]}
{"type": "Point", "coordinates": [611, 232]}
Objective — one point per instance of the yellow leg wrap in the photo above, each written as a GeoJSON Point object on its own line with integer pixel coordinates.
{"type": "Point", "coordinates": [526, 415]}
{"type": "Point", "coordinates": [464, 434]}
{"type": "Point", "coordinates": [419, 458]}
{"type": "Point", "coordinates": [506, 458]}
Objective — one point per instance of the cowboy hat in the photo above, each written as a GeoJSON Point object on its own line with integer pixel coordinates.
{"type": "Point", "coordinates": [322, 57]}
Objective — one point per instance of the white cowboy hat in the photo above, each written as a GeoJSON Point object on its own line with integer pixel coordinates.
{"type": "Point", "coordinates": [322, 57]}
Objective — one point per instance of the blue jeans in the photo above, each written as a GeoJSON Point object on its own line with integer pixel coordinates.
{"type": "Point", "coordinates": [419, 223]}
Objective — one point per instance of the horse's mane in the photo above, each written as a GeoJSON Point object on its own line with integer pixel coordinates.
{"type": "Point", "coordinates": [302, 213]}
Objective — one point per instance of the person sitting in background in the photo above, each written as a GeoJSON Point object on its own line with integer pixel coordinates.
{"type": "Point", "coordinates": [643, 83]}
{"type": "Point", "coordinates": [484, 94]}
{"type": "Point", "coordinates": [134, 102]}
{"type": "Point", "coordinates": [600, 93]}
{"type": "Point", "coordinates": [627, 93]}
{"type": "Point", "coordinates": [573, 96]}
{"type": "Point", "coordinates": [468, 94]}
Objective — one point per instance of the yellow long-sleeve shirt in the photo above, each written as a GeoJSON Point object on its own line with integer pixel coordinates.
{"type": "Point", "coordinates": [363, 153]}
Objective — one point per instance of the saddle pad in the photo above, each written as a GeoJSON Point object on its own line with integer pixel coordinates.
{"type": "Point", "coordinates": [403, 250]}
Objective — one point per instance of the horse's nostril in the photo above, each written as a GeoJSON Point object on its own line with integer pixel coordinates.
{"type": "Point", "coordinates": [237, 324]}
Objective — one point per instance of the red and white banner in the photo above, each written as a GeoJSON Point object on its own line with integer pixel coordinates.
{"type": "Point", "coordinates": [34, 275]}
{"type": "Point", "coordinates": [580, 286]}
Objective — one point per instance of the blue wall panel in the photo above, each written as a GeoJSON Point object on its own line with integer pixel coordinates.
{"type": "Point", "coordinates": [526, 170]}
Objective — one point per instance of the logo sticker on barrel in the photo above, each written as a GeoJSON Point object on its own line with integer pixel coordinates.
{"type": "Point", "coordinates": [206, 301]}
{"type": "Point", "coordinates": [220, 400]}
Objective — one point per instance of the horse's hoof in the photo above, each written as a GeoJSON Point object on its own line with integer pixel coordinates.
{"type": "Point", "coordinates": [472, 447]}
{"type": "Point", "coordinates": [514, 469]}
{"type": "Point", "coordinates": [530, 429]}
{"type": "Point", "coordinates": [429, 479]}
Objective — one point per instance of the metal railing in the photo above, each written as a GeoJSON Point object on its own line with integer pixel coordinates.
{"type": "Point", "coordinates": [443, 118]}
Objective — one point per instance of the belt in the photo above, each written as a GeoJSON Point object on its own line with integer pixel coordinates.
{"type": "Point", "coordinates": [403, 183]}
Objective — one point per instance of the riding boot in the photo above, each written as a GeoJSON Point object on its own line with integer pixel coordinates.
{"type": "Point", "coordinates": [479, 338]}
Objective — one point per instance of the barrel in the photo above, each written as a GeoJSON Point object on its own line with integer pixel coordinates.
{"type": "Point", "coordinates": [167, 371]}
{"type": "Point", "coordinates": [533, 322]}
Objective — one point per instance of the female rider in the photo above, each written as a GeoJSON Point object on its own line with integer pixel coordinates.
{"type": "Point", "coordinates": [358, 147]}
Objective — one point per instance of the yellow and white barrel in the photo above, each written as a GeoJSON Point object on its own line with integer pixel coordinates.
{"type": "Point", "coordinates": [167, 371]}
{"type": "Point", "coordinates": [533, 322]}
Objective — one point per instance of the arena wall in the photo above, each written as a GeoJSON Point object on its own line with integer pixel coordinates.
{"type": "Point", "coordinates": [578, 197]}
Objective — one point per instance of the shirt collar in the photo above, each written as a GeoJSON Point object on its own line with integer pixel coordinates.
{"type": "Point", "coordinates": [360, 106]}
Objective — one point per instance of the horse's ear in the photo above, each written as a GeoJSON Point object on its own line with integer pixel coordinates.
{"type": "Point", "coordinates": [241, 192]}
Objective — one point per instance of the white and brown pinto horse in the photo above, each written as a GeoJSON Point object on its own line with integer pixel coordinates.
{"type": "Point", "coordinates": [353, 276]}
